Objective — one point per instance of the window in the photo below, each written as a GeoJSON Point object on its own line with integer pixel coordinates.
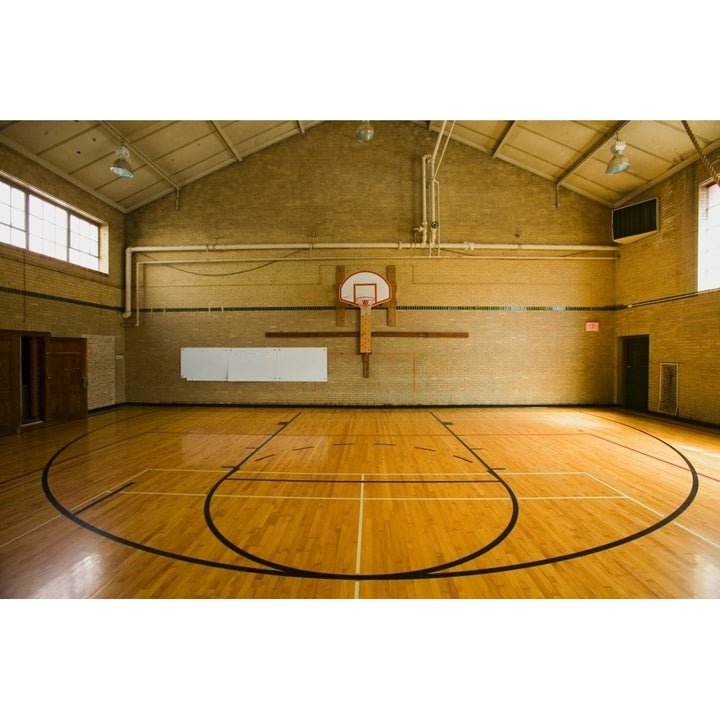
{"type": "Point", "coordinates": [33, 223]}
{"type": "Point", "coordinates": [709, 238]}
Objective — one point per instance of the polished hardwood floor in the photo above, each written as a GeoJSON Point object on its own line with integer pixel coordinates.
{"type": "Point", "coordinates": [224, 502]}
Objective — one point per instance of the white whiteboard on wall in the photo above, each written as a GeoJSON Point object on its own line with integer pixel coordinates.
{"type": "Point", "coordinates": [302, 364]}
{"type": "Point", "coordinates": [254, 364]}
{"type": "Point", "coordinates": [203, 363]}
{"type": "Point", "coordinates": [248, 364]}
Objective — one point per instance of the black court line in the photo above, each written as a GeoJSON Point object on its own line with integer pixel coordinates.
{"type": "Point", "coordinates": [424, 448]}
{"type": "Point", "coordinates": [598, 548]}
{"type": "Point", "coordinates": [45, 482]}
{"type": "Point", "coordinates": [103, 498]}
{"type": "Point", "coordinates": [446, 570]}
{"type": "Point", "coordinates": [460, 457]}
{"type": "Point", "coordinates": [418, 573]}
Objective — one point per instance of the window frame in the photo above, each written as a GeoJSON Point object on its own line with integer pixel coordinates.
{"type": "Point", "coordinates": [36, 230]}
{"type": "Point", "coordinates": [708, 238]}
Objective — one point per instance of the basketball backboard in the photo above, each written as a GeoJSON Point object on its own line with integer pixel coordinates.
{"type": "Point", "coordinates": [365, 289]}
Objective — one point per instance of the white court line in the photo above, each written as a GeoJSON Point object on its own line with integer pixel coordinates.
{"type": "Point", "coordinates": [361, 475]}
{"type": "Point", "coordinates": [697, 535]}
{"type": "Point", "coordinates": [359, 540]}
{"type": "Point", "coordinates": [701, 452]}
{"type": "Point", "coordinates": [37, 527]}
{"type": "Point", "coordinates": [659, 514]}
{"type": "Point", "coordinates": [552, 472]}
{"type": "Point", "coordinates": [75, 509]}
{"type": "Point", "coordinates": [572, 497]}
{"type": "Point", "coordinates": [187, 470]}
{"type": "Point", "coordinates": [102, 494]}
{"type": "Point", "coordinates": [238, 496]}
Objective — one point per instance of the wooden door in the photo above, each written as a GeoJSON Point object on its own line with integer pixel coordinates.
{"type": "Point", "coordinates": [9, 383]}
{"type": "Point", "coordinates": [65, 378]}
{"type": "Point", "coordinates": [636, 358]}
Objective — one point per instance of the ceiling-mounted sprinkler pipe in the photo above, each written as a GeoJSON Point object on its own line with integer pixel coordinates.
{"type": "Point", "coordinates": [447, 142]}
{"type": "Point", "coordinates": [434, 196]}
{"type": "Point", "coordinates": [424, 225]}
{"type": "Point", "coordinates": [439, 139]}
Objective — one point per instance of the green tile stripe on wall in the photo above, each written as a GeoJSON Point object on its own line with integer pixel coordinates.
{"type": "Point", "coordinates": [55, 298]}
{"type": "Point", "coordinates": [315, 308]}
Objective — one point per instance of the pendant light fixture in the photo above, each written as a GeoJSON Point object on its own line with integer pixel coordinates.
{"type": "Point", "coordinates": [365, 132]}
{"type": "Point", "coordinates": [121, 166]}
{"type": "Point", "coordinates": [619, 163]}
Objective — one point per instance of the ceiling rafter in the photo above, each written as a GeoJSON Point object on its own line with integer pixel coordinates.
{"type": "Point", "coordinates": [138, 153]}
{"type": "Point", "coordinates": [226, 140]}
{"type": "Point", "coordinates": [591, 152]}
{"type": "Point", "coordinates": [659, 149]}
{"type": "Point", "coordinates": [503, 138]}
{"type": "Point", "coordinates": [669, 173]}
{"type": "Point", "coordinates": [17, 147]}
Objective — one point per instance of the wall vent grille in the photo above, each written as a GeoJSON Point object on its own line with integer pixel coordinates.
{"type": "Point", "coordinates": [632, 222]}
{"type": "Point", "coordinates": [668, 389]}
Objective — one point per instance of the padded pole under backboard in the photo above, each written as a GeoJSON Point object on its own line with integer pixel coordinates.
{"type": "Point", "coordinates": [365, 331]}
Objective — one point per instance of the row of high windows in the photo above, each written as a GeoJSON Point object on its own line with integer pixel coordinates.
{"type": "Point", "coordinates": [33, 223]}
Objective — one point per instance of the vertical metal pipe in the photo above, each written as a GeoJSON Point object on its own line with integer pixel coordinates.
{"type": "Point", "coordinates": [424, 161]}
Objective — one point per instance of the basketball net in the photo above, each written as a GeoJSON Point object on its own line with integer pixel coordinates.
{"type": "Point", "coordinates": [365, 304]}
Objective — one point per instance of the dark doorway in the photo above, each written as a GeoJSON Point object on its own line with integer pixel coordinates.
{"type": "Point", "coordinates": [636, 370]}
{"type": "Point", "coordinates": [32, 379]}
{"type": "Point", "coordinates": [9, 392]}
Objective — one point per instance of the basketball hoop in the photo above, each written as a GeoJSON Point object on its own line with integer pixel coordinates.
{"type": "Point", "coordinates": [365, 304]}
{"type": "Point", "coordinates": [365, 289]}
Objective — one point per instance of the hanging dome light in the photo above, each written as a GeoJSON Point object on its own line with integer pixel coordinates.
{"type": "Point", "coordinates": [365, 132]}
{"type": "Point", "coordinates": [121, 166]}
{"type": "Point", "coordinates": [619, 163]}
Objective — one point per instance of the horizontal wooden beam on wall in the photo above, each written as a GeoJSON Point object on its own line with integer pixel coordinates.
{"type": "Point", "coordinates": [375, 333]}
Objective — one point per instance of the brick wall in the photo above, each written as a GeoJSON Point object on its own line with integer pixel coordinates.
{"type": "Point", "coordinates": [40, 294]}
{"type": "Point", "coordinates": [101, 370]}
{"type": "Point", "coordinates": [525, 317]}
{"type": "Point", "coordinates": [656, 291]}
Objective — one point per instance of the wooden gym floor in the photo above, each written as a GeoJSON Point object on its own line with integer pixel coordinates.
{"type": "Point", "coordinates": [208, 502]}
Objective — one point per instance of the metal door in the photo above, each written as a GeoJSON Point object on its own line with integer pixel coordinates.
{"type": "Point", "coordinates": [636, 361]}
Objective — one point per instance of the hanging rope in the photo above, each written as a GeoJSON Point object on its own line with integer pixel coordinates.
{"type": "Point", "coordinates": [704, 157]}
